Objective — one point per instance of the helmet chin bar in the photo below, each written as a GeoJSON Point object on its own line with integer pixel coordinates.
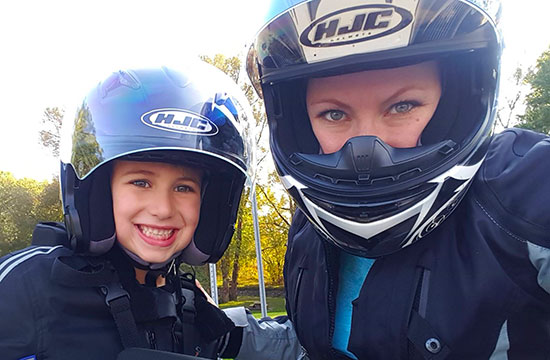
{"type": "Point", "coordinates": [367, 159]}
{"type": "Point", "coordinates": [426, 215]}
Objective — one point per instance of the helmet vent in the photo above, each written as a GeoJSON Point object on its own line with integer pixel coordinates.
{"type": "Point", "coordinates": [362, 162]}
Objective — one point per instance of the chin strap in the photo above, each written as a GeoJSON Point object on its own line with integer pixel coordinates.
{"type": "Point", "coordinates": [154, 270]}
{"type": "Point", "coordinates": [144, 265]}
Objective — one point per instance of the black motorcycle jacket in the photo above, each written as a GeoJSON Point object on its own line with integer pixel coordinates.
{"type": "Point", "coordinates": [477, 287]}
{"type": "Point", "coordinates": [57, 305]}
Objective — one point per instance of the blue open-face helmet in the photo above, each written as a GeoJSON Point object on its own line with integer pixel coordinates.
{"type": "Point", "coordinates": [369, 198]}
{"type": "Point", "coordinates": [193, 115]}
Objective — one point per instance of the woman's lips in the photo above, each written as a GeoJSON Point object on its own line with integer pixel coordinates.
{"type": "Point", "coordinates": [157, 236]}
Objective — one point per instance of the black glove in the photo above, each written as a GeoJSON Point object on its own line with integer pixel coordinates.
{"type": "Point", "coordinates": [211, 321]}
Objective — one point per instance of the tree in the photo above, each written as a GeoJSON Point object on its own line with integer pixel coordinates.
{"type": "Point", "coordinates": [507, 115]}
{"type": "Point", "coordinates": [229, 65]}
{"type": "Point", "coordinates": [537, 112]}
{"type": "Point", "coordinates": [274, 226]}
{"type": "Point", "coordinates": [240, 251]}
{"type": "Point", "coordinates": [50, 134]}
{"type": "Point", "coordinates": [48, 202]}
{"type": "Point", "coordinates": [16, 202]}
{"type": "Point", "coordinates": [24, 202]}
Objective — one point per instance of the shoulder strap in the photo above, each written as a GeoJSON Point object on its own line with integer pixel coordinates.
{"type": "Point", "coordinates": [75, 271]}
{"type": "Point", "coordinates": [188, 314]}
{"type": "Point", "coordinates": [118, 301]}
{"type": "Point", "coordinates": [50, 234]}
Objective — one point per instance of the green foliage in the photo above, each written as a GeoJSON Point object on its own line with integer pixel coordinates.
{"type": "Point", "coordinates": [537, 113]}
{"type": "Point", "coordinates": [49, 135]}
{"type": "Point", "coordinates": [24, 202]}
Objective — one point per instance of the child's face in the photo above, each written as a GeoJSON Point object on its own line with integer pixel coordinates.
{"type": "Point", "coordinates": [156, 207]}
{"type": "Point", "coordinates": [394, 104]}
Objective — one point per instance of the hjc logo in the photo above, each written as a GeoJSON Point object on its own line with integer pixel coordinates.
{"type": "Point", "coordinates": [181, 121]}
{"type": "Point", "coordinates": [360, 23]}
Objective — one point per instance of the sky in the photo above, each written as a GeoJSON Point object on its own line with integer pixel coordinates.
{"type": "Point", "coordinates": [51, 51]}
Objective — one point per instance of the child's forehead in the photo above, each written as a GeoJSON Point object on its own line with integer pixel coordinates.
{"type": "Point", "coordinates": [156, 167]}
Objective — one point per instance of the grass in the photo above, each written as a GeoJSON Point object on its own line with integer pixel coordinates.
{"type": "Point", "coordinates": [275, 305]}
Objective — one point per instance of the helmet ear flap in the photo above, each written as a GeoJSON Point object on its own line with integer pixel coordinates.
{"type": "Point", "coordinates": [88, 234]}
{"type": "Point", "coordinates": [222, 198]}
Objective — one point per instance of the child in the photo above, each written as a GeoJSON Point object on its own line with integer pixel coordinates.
{"type": "Point", "coordinates": [157, 163]}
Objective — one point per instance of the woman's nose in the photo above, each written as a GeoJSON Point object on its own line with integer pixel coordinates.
{"type": "Point", "coordinates": [365, 126]}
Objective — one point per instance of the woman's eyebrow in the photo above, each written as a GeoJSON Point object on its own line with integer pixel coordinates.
{"type": "Point", "coordinates": [404, 89]}
{"type": "Point", "coordinates": [335, 102]}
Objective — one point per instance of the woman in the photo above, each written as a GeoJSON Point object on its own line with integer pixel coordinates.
{"type": "Point", "coordinates": [419, 234]}
{"type": "Point", "coordinates": [156, 162]}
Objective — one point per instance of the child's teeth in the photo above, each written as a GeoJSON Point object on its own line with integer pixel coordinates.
{"type": "Point", "coordinates": [156, 233]}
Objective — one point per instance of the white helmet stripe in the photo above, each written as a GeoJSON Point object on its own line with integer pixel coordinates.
{"type": "Point", "coordinates": [365, 230]}
{"type": "Point", "coordinates": [368, 230]}
{"type": "Point", "coordinates": [458, 173]}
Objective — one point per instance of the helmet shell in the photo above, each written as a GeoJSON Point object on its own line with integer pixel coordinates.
{"type": "Point", "coordinates": [193, 115]}
{"type": "Point", "coordinates": [368, 198]}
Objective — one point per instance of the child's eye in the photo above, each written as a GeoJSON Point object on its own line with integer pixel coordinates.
{"type": "Point", "coordinates": [184, 188]}
{"type": "Point", "coordinates": [403, 107]}
{"type": "Point", "coordinates": [141, 183]}
{"type": "Point", "coordinates": [333, 115]}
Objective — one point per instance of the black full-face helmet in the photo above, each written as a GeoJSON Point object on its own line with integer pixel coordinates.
{"type": "Point", "coordinates": [370, 198]}
{"type": "Point", "coordinates": [195, 116]}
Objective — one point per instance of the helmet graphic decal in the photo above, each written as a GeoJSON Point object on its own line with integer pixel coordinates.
{"type": "Point", "coordinates": [334, 30]}
{"type": "Point", "coordinates": [181, 121]}
{"type": "Point", "coordinates": [356, 24]}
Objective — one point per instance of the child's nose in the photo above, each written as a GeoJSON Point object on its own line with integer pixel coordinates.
{"type": "Point", "coordinates": [162, 205]}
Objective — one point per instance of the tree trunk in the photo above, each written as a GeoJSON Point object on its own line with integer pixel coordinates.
{"type": "Point", "coordinates": [224, 268]}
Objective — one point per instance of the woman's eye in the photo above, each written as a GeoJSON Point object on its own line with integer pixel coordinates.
{"type": "Point", "coordinates": [141, 183]}
{"type": "Point", "coordinates": [334, 115]}
{"type": "Point", "coordinates": [403, 107]}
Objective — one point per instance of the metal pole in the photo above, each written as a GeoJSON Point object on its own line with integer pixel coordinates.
{"type": "Point", "coordinates": [213, 283]}
{"type": "Point", "coordinates": [259, 262]}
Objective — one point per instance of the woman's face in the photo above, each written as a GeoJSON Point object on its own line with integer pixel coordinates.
{"type": "Point", "coordinates": [393, 104]}
{"type": "Point", "coordinates": [156, 207]}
